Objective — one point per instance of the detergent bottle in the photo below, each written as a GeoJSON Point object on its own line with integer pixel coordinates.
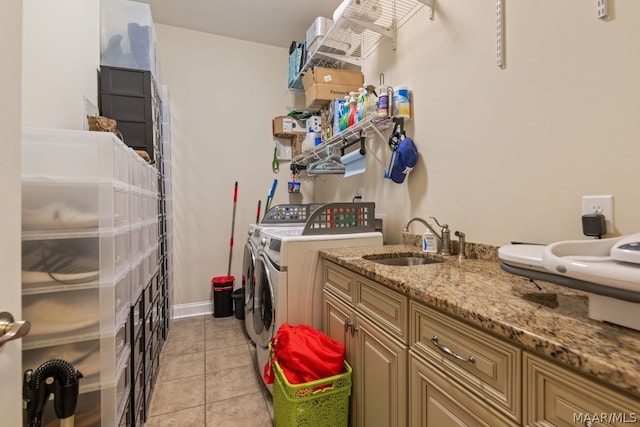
{"type": "Point", "coordinates": [353, 109]}
{"type": "Point", "coordinates": [344, 118]}
{"type": "Point", "coordinates": [360, 104]}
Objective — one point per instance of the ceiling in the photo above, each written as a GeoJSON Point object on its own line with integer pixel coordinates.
{"type": "Point", "coordinates": [272, 22]}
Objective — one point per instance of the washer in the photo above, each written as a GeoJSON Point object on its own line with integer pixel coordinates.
{"type": "Point", "coordinates": [289, 280]}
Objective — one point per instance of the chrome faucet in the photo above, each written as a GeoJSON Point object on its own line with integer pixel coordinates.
{"type": "Point", "coordinates": [461, 245]}
{"type": "Point", "coordinates": [444, 237]}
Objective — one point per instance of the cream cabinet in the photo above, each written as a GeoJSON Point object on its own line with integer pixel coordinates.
{"type": "Point", "coordinates": [436, 401]}
{"type": "Point", "coordinates": [556, 396]}
{"type": "Point", "coordinates": [461, 373]}
{"type": "Point", "coordinates": [415, 365]}
{"type": "Point", "coordinates": [378, 358]}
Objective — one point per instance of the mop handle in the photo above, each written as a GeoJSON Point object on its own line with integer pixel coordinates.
{"type": "Point", "coordinates": [258, 212]}
{"type": "Point", "coordinates": [233, 225]}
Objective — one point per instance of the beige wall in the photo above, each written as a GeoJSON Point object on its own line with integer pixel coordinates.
{"type": "Point", "coordinates": [61, 56]}
{"type": "Point", "coordinates": [224, 93]}
{"type": "Point", "coordinates": [507, 154]}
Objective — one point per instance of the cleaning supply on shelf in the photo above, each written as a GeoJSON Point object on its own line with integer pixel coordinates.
{"type": "Point", "coordinates": [370, 101]}
{"type": "Point", "coordinates": [338, 115]}
{"type": "Point", "coordinates": [309, 142]}
{"type": "Point", "coordinates": [353, 112]}
{"type": "Point", "coordinates": [360, 104]}
{"type": "Point", "coordinates": [401, 102]}
{"type": "Point", "coordinates": [383, 102]}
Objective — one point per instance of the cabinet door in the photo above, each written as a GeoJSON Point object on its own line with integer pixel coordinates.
{"type": "Point", "coordinates": [439, 402]}
{"type": "Point", "coordinates": [336, 320]}
{"type": "Point", "coordinates": [556, 396]}
{"type": "Point", "coordinates": [380, 380]}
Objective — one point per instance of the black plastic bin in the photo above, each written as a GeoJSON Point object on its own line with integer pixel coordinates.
{"type": "Point", "coordinates": [238, 303]}
{"type": "Point", "coordinates": [222, 287]}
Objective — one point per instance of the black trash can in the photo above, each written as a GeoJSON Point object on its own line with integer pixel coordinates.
{"type": "Point", "coordinates": [222, 287]}
{"type": "Point", "coordinates": [238, 303]}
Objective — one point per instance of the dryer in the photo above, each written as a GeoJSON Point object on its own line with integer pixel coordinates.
{"type": "Point", "coordinates": [278, 217]}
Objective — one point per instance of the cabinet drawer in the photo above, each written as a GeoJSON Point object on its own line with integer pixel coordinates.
{"type": "Point", "coordinates": [340, 281]}
{"type": "Point", "coordinates": [387, 308]}
{"type": "Point", "coordinates": [494, 372]}
{"type": "Point", "coordinates": [437, 401]}
{"type": "Point", "coordinates": [558, 397]}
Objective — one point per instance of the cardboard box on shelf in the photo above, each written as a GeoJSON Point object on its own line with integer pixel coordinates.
{"type": "Point", "coordinates": [321, 85]}
{"type": "Point", "coordinates": [287, 127]}
{"type": "Point", "coordinates": [296, 144]}
{"type": "Point", "coordinates": [288, 148]}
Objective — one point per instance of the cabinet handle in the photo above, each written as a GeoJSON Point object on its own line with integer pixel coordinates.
{"type": "Point", "coordinates": [450, 352]}
{"type": "Point", "coordinates": [347, 325]}
{"type": "Point", "coordinates": [354, 329]}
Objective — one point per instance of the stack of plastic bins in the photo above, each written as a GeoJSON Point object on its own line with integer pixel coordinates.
{"type": "Point", "coordinates": [166, 212]}
{"type": "Point", "coordinates": [138, 173]}
{"type": "Point", "coordinates": [150, 277]}
{"type": "Point", "coordinates": [128, 37]}
{"type": "Point", "coordinates": [76, 264]}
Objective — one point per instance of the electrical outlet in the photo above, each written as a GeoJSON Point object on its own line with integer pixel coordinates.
{"type": "Point", "coordinates": [602, 205]}
{"type": "Point", "coordinates": [602, 8]}
{"type": "Point", "coordinates": [360, 193]}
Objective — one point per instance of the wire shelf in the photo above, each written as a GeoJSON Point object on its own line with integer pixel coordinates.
{"type": "Point", "coordinates": [357, 33]}
{"type": "Point", "coordinates": [341, 140]}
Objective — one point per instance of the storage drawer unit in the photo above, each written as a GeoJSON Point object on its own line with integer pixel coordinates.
{"type": "Point", "coordinates": [485, 366]}
{"type": "Point", "coordinates": [131, 97]}
{"type": "Point", "coordinates": [87, 216]}
{"type": "Point", "coordinates": [341, 281]}
{"type": "Point", "coordinates": [437, 401]}
{"type": "Point", "coordinates": [388, 309]}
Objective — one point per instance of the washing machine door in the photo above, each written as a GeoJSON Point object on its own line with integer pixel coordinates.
{"type": "Point", "coordinates": [248, 278]}
{"type": "Point", "coordinates": [264, 308]}
{"type": "Point", "coordinates": [248, 287]}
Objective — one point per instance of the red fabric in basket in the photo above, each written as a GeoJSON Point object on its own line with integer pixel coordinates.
{"type": "Point", "coordinates": [304, 354]}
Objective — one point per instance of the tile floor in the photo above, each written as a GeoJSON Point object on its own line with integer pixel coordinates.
{"type": "Point", "coordinates": [208, 377]}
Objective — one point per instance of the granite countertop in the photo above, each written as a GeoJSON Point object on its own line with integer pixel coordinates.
{"type": "Point", "coordinates": [552, 320]}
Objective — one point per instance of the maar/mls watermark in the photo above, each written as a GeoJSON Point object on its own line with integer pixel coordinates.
{"type": "Point", "coordinates": [590, 419]}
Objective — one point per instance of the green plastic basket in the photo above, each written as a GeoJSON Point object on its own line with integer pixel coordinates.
{"type": "Point", "coordinates": [320, 403]}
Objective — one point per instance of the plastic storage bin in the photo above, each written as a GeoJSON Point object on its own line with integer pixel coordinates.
{"type": "Point", "coordinates": [321, 403]}
{"type": "Point", "coordinates": [128, 36]}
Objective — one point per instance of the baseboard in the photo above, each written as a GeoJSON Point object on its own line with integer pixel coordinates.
{"type": "Point", "coordinates": [192, 309]}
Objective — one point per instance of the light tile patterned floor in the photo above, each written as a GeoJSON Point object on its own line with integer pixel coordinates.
{"type": "Point", "coordinates": [208, 377]}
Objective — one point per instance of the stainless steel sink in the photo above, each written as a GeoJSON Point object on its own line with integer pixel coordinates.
{"type": "Point", "coordinates": [402, 261]}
